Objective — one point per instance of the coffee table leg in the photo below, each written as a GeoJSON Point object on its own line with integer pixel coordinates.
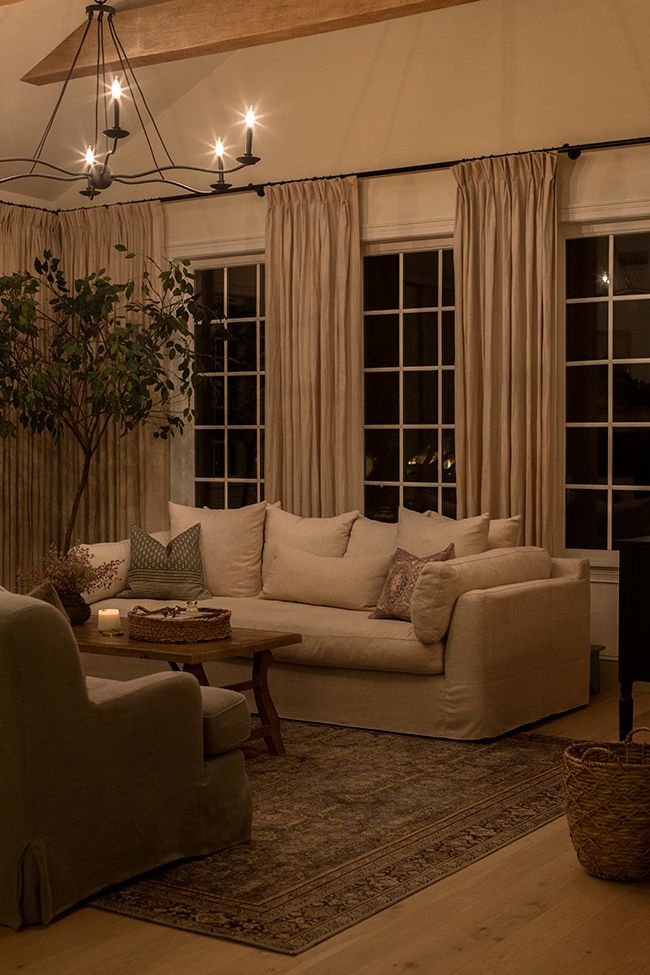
{"type": "Point", "coordinates": [265, 706]}
{"type": "Point", "coordinates": [196, 670]}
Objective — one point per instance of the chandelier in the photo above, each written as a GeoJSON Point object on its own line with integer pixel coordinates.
{"type": "Point", "coordinates": [97, 163]}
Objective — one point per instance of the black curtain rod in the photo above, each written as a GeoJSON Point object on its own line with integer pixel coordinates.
{"type": "Point", "coordinates": [572, 151]}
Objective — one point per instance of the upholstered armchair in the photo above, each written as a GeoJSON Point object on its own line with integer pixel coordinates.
{"type": "Point", "coordinates": [102, 781]}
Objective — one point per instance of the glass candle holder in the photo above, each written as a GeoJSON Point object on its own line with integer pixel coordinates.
{"type": "Point", "coordinates": [109, 621]}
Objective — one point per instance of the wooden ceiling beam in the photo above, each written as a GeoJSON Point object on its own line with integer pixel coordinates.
{"type": "Point", "coordinates": [177, 29]}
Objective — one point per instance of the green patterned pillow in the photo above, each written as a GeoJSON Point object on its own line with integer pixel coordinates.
{"type": "Point", "coordinates": [172, 571]}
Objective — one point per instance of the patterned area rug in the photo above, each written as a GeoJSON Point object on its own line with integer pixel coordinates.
{"type": "Point", "coordinates": [348, 823]}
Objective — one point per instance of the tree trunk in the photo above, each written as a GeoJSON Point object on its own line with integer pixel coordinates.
{"type": "Point", "coordinates": [83, 484]}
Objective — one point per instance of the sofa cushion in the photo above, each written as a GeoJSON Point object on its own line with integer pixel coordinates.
{"type": "Point", "coordinates": [226, 720]}
{"type": "Point", "coordinates": [171, 571]}
{"type": "Point", "coordinates": [231, 545]}
{"type": "Point", "coordinates": [395, 599]}
{"type": "Point", "coordinates": [325, 580]}
{"type": "Point", "coordinates": [422, 534]}
{"type": "Point", "coordinates": [441, 583]}
{"type": "Point", "coordinates": [331, 637]}
{"type": "Point", "coordinates": [504, 532]}
{"type": "Point", "coordinates": [319, 536]}
{"type": "Point", "coordinates": [369, 537]}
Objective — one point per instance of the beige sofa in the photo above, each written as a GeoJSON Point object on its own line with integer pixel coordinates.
{"type": "Point", "coordinates": [498, 637]}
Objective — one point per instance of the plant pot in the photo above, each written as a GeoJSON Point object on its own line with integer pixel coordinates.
{"type": "Point", "coordinates": [76, 607]}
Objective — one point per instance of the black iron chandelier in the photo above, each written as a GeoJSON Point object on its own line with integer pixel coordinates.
{"type": "Point", "coordinates": [95, 171]}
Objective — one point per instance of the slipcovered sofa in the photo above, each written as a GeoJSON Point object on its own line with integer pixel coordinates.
{"type": "Point", "coordinates": [498, 636]}
{"type": "Point", "coordinates": [104, 780]}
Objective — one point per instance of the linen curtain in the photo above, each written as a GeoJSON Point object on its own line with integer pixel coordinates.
{"type": "Point", "coordinates": [30, 495]}
{"type": "Point", "coordinates": [508, 431]}
{"type": "Point", "coordinates": [129, 478]}
{"type": "Point", "coordinates": [314, 367]}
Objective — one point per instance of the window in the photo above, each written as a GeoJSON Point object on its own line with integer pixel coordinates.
{"type": "Point", "coordinates": [409, 382]}
{"type": "Point", "coordinates": [607, 389]}
{"type": "Point", "coordinates": [229, 426]}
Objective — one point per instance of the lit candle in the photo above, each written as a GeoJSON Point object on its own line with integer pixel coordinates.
{"type": "Point", "coordinates": [250, 122]}
{"type": "Point", "coordinates": [219, 151]}
{"type": "Point", "coordinates": [116, 92]}
{"type": "Point", "coordinates": [90, 156]}
{"type": "Point", "coordinates": [108, 620]}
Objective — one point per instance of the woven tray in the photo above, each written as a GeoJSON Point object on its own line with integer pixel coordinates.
{"type": "Point", "coordinates": [607, 794]}
{"type": "Point", "coordinates": [172, 624]}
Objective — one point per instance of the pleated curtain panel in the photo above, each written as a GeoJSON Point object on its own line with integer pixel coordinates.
{"type": "Point", "coordinates": [314, 367]}
{"type": "Point", "coordinates": [508, 427]}
{"type": "Point", "coordinates": [129, 478]}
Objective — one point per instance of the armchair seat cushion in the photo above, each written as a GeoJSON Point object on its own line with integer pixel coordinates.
{"type": "Point", "coordinates": [226, 718]}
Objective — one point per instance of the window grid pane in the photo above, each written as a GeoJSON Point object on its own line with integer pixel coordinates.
{"type": "Point", "coordinates": [410, 458]}
{"type": "Point", "coordinates": [230, 407]}
{"type": "Point", "coordinates": [607, 478]}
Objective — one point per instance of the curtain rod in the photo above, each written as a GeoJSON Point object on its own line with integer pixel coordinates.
{"type": "Point", "coordinates": [572, 151]}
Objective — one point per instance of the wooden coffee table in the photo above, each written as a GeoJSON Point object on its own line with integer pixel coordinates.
{"type": "Point", "coordinates": [190, 658]}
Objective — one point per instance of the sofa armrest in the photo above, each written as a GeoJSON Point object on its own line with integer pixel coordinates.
{"type": "Point", "coordinates": [518, 629]}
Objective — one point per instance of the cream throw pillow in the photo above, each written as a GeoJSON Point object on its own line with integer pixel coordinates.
{"type": "Point", "coordinates": [441, 583]}
{"type": "Point", "coordinates": [422, 534]}
{"type": "Point", "coordinates": [325, 580]}
{"type": "Point", "coordinates": [369, 538]}
{"type": "Point", "coordinates": [319, 536]}
{"type": "Point", "coordinates": [231, 545]}
{"type": "Point", "coordinates": [504, 532]}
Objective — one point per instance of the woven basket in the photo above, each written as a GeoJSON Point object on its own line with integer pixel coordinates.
{"type": "Point", "coordinates": [172, 625]}
{"type": "Point", "coordinates": [607, 794]}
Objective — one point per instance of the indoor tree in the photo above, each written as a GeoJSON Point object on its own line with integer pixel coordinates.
{"type": "Point", "coordinates": [78, 356]}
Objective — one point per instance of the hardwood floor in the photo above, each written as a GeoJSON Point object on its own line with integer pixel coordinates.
{"type": "Point", "coordinates": [528, 909]}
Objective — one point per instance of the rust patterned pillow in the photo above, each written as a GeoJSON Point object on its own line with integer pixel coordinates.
{"type": "Point", "coordinates": [403, 574]}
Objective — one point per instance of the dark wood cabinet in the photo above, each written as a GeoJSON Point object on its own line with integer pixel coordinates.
{"type": "Point", "coordinates": [633, 624]}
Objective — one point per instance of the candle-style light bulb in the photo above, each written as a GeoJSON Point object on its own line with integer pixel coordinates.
{"type": "Point", "coordinates": [250, 122]}
{"type": "Point", "coordinates": [116, 92]}
{"type": "Point", "coordinates": [219, 150]}
{"type": "Point", "coordinates": [90, 156]}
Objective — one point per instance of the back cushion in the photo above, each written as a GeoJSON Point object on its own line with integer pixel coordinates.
{"type": "Point", "coordinates": [319, 536]}
{"type": "Point", "coordinates": [422, 534]}
{"type": "Point", "coordinates": [369, 538]}
{"type": "Point", "coordinates": [441, 583]}
{"type": "Point", "coordinates": [325, 580]}
{"type": "Point", "coordinates": [231, 545]}
{"type": "Point", "coordinates": [504, 532]}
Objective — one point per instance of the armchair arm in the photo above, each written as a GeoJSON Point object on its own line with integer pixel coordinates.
{"type": "Point", "coordinates": [155, 720]}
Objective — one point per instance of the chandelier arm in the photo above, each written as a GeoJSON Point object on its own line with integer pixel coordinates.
{"type": "Point", "coordinates": [161, 179]}
{"type": "Point", "coordinates": [61, 179]}
{"type": "Point", "coordinates": [128, 71]}
{"type": "Point", "coordinates": [41, 162]}
{"type": "Point", "coordinates": [191, 169]}
{"type": "Point", "coordinates": [50, 122]}
{"type": "Point", "coordinates": [103, 64]}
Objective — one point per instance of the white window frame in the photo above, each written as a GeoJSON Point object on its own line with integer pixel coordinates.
{"type": "Point", "coordinates": [239, 260]}
{"type": "Point", "coordinates": [401, 247]}
{"type": "Point", "coordinates": [606, 559]}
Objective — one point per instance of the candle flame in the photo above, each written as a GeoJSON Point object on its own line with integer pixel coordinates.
{"type": "Point", "coordinates": [90, 156]}
{"type": "Point", "coordinates": [250, 118]}
{"type": "Point", "coordinates": [116, 89]}
{"type": "Point", "coordinates": [219, 149]}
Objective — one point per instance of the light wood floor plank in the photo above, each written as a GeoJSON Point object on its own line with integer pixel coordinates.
{"type": "Point", "coordinates": [528, 909]}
